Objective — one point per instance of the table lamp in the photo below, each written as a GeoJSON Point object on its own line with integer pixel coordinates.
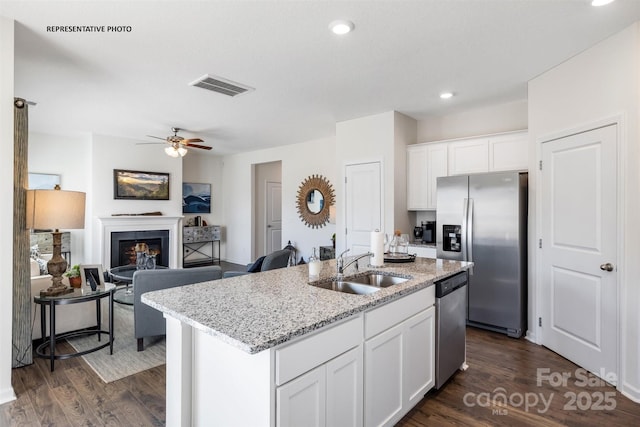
{"type": "Point", "coordinates": [55, 209]}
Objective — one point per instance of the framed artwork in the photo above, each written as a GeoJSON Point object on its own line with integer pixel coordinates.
{"type": "Point", "coordinates": [91, 275]}
{"type": "Point", "coordinates": [43, 181]}
{"type": "Point", "coordinates": [140, 185]}
{"type": "Point", "coordinates": [196, 198]}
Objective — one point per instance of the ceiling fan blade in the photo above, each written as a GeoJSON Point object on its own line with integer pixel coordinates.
{"type": "Point", "coordinates": [157, 137]}
{"type": "Point", "coordinates": [204, 147]}
{"type": "Point", "coordinates": [190, 140]}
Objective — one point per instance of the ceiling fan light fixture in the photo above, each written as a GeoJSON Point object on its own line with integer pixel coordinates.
{"type": "Point", "coordinates": [171, 151]}
{"type": "Point", "coordinates": [181, 151]}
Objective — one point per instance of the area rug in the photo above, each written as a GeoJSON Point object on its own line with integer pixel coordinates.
{"type": "Point", "coordinates": [125, 360]}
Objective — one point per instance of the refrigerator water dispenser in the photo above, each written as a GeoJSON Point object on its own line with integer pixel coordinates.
{"type": "Point", "coordinates": [451, 238]}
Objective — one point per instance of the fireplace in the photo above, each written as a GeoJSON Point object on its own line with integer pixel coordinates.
{"type": "Point", "coordinates": [171, 248]}
{"type": "Point", "coordinates": [123, 245]}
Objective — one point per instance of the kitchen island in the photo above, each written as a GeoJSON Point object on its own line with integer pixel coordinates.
{"type": "Point", "coordinates": [268, 348]}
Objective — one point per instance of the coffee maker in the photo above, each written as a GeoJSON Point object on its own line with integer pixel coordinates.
{"type": "Point", "coordinates": [429, 232]}
{"type": "Point", "coordinates": [417, 234]}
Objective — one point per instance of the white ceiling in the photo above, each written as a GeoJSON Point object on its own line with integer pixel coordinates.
{"type": "Point", "coordinates": [401, 55]}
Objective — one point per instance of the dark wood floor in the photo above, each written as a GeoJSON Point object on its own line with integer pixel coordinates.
{"type": "Point", "coordinates": [73, 395]}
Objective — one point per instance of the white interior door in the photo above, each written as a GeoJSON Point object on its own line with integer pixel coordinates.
{"type": "Point", "coordinates": [578, 277]}
{"type": "Point", "coordinates": [273, 236]}
{"type": "Point", "coordinates": [363, 205]}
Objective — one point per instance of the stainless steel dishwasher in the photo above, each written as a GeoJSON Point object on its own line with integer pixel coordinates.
{"type": "Point", "coordinates": [451, 314]}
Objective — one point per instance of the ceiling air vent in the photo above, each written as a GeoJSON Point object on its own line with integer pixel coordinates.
{"type": "Point", "coordinates": [220, 85]}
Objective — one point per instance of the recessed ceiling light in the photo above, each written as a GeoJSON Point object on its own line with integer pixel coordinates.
{"type": "Point", "coordinates": [600, 2]}
{"type": "Point", "coordinates": [341, 26]}
{"type": "Point", "coordinates": [446, 95]}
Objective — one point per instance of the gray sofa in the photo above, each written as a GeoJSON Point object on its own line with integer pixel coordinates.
{"type": "Point", "coordinates": [148, 321]}
{"type": "Point", "coordinates": [277, 259]}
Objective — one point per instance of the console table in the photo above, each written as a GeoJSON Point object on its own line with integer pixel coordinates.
{"type": "Point", "coordinates": [80, 295]}
{"type": "Point", "coordinates": [199, 244]}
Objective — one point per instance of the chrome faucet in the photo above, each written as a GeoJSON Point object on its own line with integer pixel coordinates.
{"type": "Point", "coordinates": [340, 261]}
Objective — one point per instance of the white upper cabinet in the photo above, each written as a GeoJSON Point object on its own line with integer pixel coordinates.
{"type": "Point", "coordinates": [509, 152]}
{"type": "Point", "coordinates": [469, 156]}
{"type": "Point", "coordinates": [425, 163]}
{"type": "Point", "coordinates": [417, 177]}
{"type": "Point", "coordinates": [436, 166]}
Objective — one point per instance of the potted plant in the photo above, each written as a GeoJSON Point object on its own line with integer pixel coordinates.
{"type": "Point", "coordinates": [74, 276]}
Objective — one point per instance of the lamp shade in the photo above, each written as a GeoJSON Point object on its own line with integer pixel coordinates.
{"type": "Point", "coordinates": [55, 209]}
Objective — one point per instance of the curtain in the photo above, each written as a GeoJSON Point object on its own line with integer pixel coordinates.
{"type": "Point", "coordinates": [22, 351]}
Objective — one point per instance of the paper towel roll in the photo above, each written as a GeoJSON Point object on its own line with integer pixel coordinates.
{"type": "Point", "coordinates": [377, 247]}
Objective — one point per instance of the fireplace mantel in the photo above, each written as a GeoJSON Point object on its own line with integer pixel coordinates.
{"type": "Point", "coordinates": [111, 224]}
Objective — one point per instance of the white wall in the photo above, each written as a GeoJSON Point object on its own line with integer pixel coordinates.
{"type": "Point", "coordinates": [298, 162]}
{"type": "Point", "coordinates": [597, 85]}
{"type": "Point", "coordinates": [108, 153]}
{"type": "Point", "coordinates": [206, 168]}
{"type": "Point", "coordinates": [67, 156]}
{"type": "Point", "coordinates": [479, 121]}
{"type": "Point", "coordinates": [381, 137]}
{"type": "Point", "coordinates": [6, 213]}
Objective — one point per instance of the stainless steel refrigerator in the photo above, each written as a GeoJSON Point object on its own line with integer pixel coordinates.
{"type": "Point", "coordinates": [483, 218]}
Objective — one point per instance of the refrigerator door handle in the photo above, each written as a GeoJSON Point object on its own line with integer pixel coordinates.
{"type": "Point", "coordinates": [469, 235]}
{"type": "Point", "coordinates": [463, 231]}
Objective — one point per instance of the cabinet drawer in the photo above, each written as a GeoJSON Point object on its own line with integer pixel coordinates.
{"type": "Point", "coordinates": [382, 318]}
{"type": "Point", "coordinates": [299, 357]}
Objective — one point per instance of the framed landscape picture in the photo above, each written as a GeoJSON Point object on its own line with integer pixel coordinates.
{"type": "Point", "coordinates": [139, 185]}
{"type": "Point", "coordinates": [196, 198]}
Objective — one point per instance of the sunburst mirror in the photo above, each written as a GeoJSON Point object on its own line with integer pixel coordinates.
{"type": "Point", "coordinates": [315, 196]}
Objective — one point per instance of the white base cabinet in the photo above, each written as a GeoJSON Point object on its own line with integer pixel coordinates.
{"type": "Point", "coordinates": [399, 368]}
{"type": "Point", "coordinates": [330, 395]}
{"type": "Point", "coordinates": [367, 370]}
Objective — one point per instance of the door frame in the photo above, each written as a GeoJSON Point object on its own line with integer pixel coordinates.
{"type": "Point", "coordinates": [621, 167]}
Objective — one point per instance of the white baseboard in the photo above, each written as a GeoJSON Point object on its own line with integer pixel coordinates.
{"type": "Point", "coordinates": [631, 392]}
{"type": "Point", "coordinates": [7, 395]}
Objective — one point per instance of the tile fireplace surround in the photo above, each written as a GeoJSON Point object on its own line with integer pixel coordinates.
{"type": "Point", "coordinates": [111, 224]}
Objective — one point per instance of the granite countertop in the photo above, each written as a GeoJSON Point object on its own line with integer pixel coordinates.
{"type": "Point", "coordinates": [258, 311]}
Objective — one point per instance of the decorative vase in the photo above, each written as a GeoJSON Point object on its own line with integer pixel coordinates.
{"type": "Point", "coordinates": [75, 282]}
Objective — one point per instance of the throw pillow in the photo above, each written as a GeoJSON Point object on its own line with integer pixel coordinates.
{"type": "Point", "coordinates": [256, 266]}
{"type": "Point", "coordinates": [34, 252]}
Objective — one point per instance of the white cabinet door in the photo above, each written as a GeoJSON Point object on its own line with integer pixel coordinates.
{"type": "Point", "coordinates": [344, 389]}
{"type": "Point", "coordinates": [383, 377]}
{"type": "Point", "coordinates": [301, 402]}
{"type": "Point", "coordinates": [469, 156]}
{"type": "Point", "coordinates": [419, 356]}
{"type": "Point", "coordinates": [509, 152]}
{"type": "Point", "coordinates": [425, 163]}
{"type": "Point", "coordinates": [417, 177]}
{"type": "Point", "coordinates": [436, 167]}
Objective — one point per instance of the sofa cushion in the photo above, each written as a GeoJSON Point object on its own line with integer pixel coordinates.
{"type": "Point", "coordinates": [256, 266]}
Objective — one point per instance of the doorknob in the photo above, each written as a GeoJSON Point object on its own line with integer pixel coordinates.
{"type": "Point", "coordinates": [268, 226]}
{"type": "Point", "coordinates": [606, 267]}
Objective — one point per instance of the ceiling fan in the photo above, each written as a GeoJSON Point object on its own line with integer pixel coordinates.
{"type": "Point", "coordinates": [178, 145]}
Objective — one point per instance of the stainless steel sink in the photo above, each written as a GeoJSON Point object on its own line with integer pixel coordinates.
{"type": "Point", "coordinates": [347, 287]}
{"type": "Point", "coordinates": [361, 284]}
{"type": "Point", "coordinates": [377, 280]}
